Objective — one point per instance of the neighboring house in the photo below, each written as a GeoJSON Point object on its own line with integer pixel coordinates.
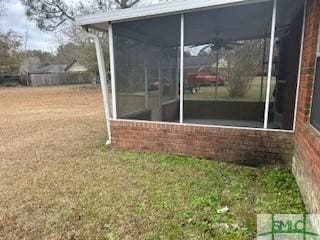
{"type": "Point", "coordinates": [194, 63]}
{"type": "Point", "coordinates": [76, 67]}
{"type": "Point", "coordinates": [51, 68]}
{"type": "Point", "coordinates": [60, 74]}
{"type": "Point", "coordinates": [282, 127]}
{"type": "Point", "coordinates": [73, 67]}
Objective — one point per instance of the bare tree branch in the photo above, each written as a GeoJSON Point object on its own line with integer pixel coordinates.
{"type": "Point", "coordinates": [134, 3]}
{"type": "Point", "coordinates": [52, 14]}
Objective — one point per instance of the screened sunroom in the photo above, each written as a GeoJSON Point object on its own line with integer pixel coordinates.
{"type": "Point", "coordinates": [215, 63]}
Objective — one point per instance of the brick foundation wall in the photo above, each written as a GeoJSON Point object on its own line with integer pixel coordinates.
{"type": "Point", "coordinates": [245, 146]}
{"type": "Point", "coordinates": [306, 163]}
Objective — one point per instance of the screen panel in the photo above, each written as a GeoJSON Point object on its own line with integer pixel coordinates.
{"type": "Point", "coordinates": [147, 68]}
{"type": "Point", "coordinates": [225, 65]}
{"type": "Point", "coordinates": [226, 57]}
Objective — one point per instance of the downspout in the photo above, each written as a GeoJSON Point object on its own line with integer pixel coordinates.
{"type": "Point", "coordinates": [103, 82]}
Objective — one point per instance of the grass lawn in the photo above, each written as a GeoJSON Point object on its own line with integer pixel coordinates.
{"type": "Point", "coordinates": [59, 181]}
{"type": "Point", "coordinates": [208, 92]}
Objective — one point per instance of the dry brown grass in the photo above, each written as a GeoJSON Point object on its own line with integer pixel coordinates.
{"type": "Point", "coordinates": [44, 133]}
{"type": "Point", "coordinates": [58, 181]}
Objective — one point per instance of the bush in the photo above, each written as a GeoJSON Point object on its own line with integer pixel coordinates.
{"type": "Point", "coordinates": [244, 63]}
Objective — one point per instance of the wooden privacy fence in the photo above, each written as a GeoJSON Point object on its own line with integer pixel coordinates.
{"type": "Point", "coordinates": [50, 79]}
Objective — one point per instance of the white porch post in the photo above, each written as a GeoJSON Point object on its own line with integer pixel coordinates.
{"type": "Point", "coordinates": [112, 72]}
{"type": "Point", "coordinates": [300, 65]}
{"type": "Point", "coordinates": [181, 66]}
{"type": "Point", "coordinates": [103, 80]}
{"type": "Point", "coordinates": [273, 29]}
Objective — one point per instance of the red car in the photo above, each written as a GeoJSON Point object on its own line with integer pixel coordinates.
{"type": "Point", "coordinates": [166, 87]}
{"type": "Point", "coordinates": [154, 86]}
{"type": "Point", "coordinates": [209, 80]}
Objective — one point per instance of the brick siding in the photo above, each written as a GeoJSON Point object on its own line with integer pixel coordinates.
{"type": "Point", "coordinates": [306, 163]}
{"type": "Point", "coordinates": [245, 146]}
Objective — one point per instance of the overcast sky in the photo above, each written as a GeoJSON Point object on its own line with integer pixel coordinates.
{"type": "Point", "coordinates": [15, 19]}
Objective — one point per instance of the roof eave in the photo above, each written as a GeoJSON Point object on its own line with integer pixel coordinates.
{"type": "Point", "coordinates": [155, 10]}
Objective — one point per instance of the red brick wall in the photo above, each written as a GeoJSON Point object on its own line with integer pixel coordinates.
{"type": "Point", "coordinates": [306, 164]}
{"type": "Point", "coordinates": [252, 147]}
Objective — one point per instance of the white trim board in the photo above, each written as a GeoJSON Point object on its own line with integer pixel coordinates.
{"type": "Point", "coordinates": [314, 129]}
{"type": "Point", "coordinates": [161, 9]}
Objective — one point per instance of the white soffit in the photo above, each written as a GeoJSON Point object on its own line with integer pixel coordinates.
{"type": "Point", "coordinates": [101, 20]}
